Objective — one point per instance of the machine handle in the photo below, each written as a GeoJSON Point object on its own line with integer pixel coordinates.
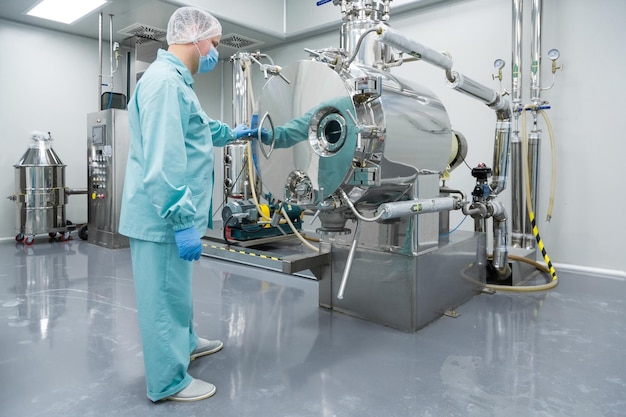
{"type": "Point", "coordinates": [261, 146]}
{"type": "Point", "coordinates": [348, 267]}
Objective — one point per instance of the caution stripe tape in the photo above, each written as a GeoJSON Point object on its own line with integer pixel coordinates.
{"type": "Point", "coordinates": [242, 252]}
{"type": "Point", "coordinates": [546, 258]}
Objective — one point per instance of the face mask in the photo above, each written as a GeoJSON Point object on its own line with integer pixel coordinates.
{"type": "Point", "coordinates": [208, 61]}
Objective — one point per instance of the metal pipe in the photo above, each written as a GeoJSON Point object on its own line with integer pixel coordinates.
{"type": "Point", "coordinates": [500, 156]}
{"type": "Point", "coordinates": [111, 50]}
{"type": "Point", "coordinates": [516, 59]}
{"type": "Point", "coordinates": [518, 213]}
{"type": "Point", "coordinates": [517, 192]}
{"type": "Point", "coordinates": [399, 209]}
{"type": "Point", "coordinates": [472, 88]}
{"type": "Point", "coordinates": [491, 98]}
{"type": "Point", "coordinates": [73, 191]}
{"type": "Point", "coordinates": [242, 105]}
{"type": "Point", "coordinates": [398, 41]}
{"type": "Point", "coordinates": [100, 61]}
{"type": "Point", "coordinates": [500, 252]}
{"type": "Point", "coordinates": [346, 271]}
{"type": "Point", "coordinates": [355, 52]}
{"type": "Point", "coordinates": [535, 52]}
{"type": "Point", "coordinates": [534, 139]}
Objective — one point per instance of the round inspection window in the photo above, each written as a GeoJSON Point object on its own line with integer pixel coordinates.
{"type": "Point", "coordinates": [332, 131]}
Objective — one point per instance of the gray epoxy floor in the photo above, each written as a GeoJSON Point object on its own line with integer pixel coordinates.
{"type": "Point", "coordinates": [69, 346]}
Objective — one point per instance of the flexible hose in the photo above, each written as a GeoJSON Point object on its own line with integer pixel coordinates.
{"type": "Point", "coordinates": [252, 185]}
{"type": "Point", "coordinates": [256, 203]}
{"type": "Point", "coordinates": [527, 288]}
{"type": "Point", "coordinates": [553, 151]}
{"type": "Point", "coordinates": [295, 231]}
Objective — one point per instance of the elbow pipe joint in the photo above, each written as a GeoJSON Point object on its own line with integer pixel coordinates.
{"type": "Point", "coordinates": [475, 210]}
{"type": "Point", "coordinates": [497, 211]}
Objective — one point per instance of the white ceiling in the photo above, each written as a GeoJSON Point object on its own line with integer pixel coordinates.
{"type": "Point", "coordinates": [268, 22]}
{"type": "Point", "coordinates": [151, 13]}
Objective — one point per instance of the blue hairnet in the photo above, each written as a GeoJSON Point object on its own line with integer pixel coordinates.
{"type": "Point", "coordinates": [190, 25]}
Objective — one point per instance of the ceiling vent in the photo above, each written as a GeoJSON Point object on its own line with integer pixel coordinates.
{"type": "Point", "coordinates": [144, 31]}
{"type": "Point", "coordinates": [235, 41]}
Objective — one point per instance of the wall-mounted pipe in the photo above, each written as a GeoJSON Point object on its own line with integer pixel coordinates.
{"type": "Point", "coordinates": [535, 52]}
{"type": "Point", "coordinates": [99, 61]}
{"type": "Point", "coordinates": [516, 58]}
{"type": "Point", "coordinates": [111, 50]}
{"type": "Point", "coordinates": [517, 188]}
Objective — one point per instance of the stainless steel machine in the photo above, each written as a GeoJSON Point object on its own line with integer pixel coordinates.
{"type": "Point", "coordinates": [40, 191]}
{"type": "Point", "coordinates": [108, 139]}
{"type": "Point", "coordinates": [367, 151]}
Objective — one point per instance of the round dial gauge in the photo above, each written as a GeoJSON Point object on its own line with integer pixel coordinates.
{"type": "Point", "coordinates": [554, 54]}
{"type": "Point", "coordinates": [498, 63]}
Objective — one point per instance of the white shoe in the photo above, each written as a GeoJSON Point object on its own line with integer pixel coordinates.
{"type": "Point", "coordinates": [206, 347]}
{"type": "Point", "coordinates": [197, 390]}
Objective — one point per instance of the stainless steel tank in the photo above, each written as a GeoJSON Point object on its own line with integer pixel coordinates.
{"type": "Point", "coordinates": [361, 131]}
{"type": "Point", "coordinates": [40, 190]}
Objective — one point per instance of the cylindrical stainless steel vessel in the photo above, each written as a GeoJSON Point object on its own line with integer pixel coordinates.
{"type": "Point", "coordinates": [40, 188]}
{"type": "Point", "coordinates": [362, 130]}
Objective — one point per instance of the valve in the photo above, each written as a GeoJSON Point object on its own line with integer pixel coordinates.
{"type": "Point", "coordinates": [481, 190]}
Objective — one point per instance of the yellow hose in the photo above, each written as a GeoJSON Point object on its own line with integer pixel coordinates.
{"type": "Point", "coordinates": [527, 288]}
{"type": "Point", "coordinates": [295, 231]}
{"type": "Point", "coordinates": [252, 182]}
{"type": "Point", "coordinates": [553, 151]}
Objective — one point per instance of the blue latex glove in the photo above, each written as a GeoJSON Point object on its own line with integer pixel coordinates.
{"type": "Point", "coordinates": [189, 244]}
{"type": "Point", "coordinates": [266, 136]}
{"type": "Point", "coordinates": [243, 131]}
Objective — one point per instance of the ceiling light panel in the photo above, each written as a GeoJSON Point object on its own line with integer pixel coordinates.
{"type": "Point", "coordinates": [64, 11]}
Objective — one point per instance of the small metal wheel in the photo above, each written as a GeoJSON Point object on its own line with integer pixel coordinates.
{"type": "Point", "coordinates": [52, 235]}
{"type": "Point", "coordinates": [19, 237]}
{"type": "Point", "coordinates": [30, 239]}
{"type": "Point", "coordinates": [66, 236]}
{"type": "Point", "coordinates": [83, 232]}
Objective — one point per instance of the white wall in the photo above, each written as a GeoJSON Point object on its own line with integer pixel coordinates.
{"type": "Point", "coordinates": [51, 84]}
{"type": "Point", "coordinates": [48, 82]}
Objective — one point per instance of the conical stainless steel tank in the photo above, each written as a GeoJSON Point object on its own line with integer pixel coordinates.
{"type": "Point", "coordinates": [39, 190]}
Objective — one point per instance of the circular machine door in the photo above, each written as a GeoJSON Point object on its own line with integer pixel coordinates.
{"type": "Point", "coordinates": [314, 134]}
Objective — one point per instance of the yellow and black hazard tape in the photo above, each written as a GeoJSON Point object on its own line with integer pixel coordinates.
{"type": "Point", "coordinates": [540, 245]}
{"type": "Point", "coordinates": [242, 252]}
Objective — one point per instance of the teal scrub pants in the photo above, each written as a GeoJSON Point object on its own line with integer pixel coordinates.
{"type": "Point", "coordinates": [165, 310]}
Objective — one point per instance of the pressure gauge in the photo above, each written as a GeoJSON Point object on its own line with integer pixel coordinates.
{"type": "Point", "coordinates": [498, 63]}
{"type": "Point", "coordinates": [554, 54]}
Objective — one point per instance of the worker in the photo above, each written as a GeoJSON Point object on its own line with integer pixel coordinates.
{"type": "Point", "coordinates": [166, 203]}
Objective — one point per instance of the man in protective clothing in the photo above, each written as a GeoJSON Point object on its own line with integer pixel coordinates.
{"type": "Point", "coordinates": [166, 204]}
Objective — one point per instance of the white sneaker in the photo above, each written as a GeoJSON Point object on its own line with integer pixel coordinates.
{"type": "Point", "coordinates": [206, 347]}
{"type": "Point", "coordinates": [197, 390]}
